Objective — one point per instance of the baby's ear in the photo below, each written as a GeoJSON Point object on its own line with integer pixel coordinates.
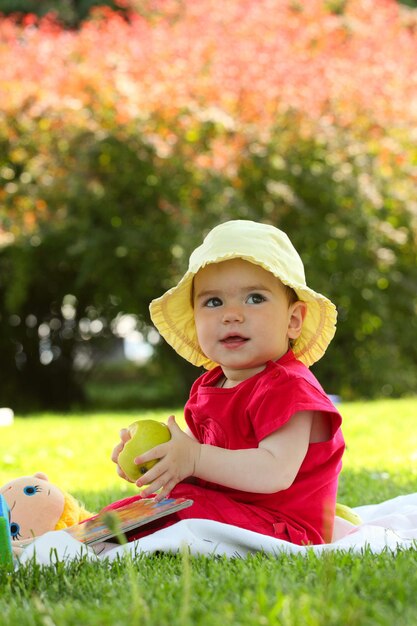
{"type": "Point", "coordinates": [298, 312]}
{"type": "Point", "coordinates": [41, 475]}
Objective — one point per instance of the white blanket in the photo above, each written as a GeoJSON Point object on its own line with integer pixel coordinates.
{"type": "Point", "coordinates": [389, 525]}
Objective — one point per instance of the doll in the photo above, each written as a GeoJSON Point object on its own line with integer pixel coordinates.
{"type": "Point", "coordinates": [38, 506]}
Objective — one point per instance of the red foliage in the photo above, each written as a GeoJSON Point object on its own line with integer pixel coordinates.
{"type": "Point", "coordinates": [244, 63]}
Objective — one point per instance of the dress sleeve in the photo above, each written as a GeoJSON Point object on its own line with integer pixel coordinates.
{"type": "Point", "coordinates": [281, 396]}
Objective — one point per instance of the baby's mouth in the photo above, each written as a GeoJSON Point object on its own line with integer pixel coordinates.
{"type": "Point", "coordinates": [234, 339]}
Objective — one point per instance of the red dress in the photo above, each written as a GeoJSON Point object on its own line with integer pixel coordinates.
{"type": "Point", "coordinates": [239, 418]}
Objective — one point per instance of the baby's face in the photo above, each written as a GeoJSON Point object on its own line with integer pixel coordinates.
{"type": "Point", "coordinates": [243, 316]}
{"type": "Point", "coordinates": [35, 504]}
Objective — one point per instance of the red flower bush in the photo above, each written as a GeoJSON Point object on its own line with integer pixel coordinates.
{"type": "Point", "coordinates": [240, 69]}
{"type": "Point", "coordinates": [251, 60]}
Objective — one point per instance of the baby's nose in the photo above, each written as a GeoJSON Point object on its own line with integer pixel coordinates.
{"type": "Point", "coordinates": [232, 314]}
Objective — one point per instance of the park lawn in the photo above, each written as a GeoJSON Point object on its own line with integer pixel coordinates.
{"type": "Point", "coordinates": [337, 588]}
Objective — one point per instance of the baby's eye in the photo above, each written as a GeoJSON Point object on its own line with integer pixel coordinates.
{"type": "Point", "coordinates": [255, 298]}
{"type": "Point", "coordinates": [213, 302]}
{"type": "Point", "coordinates": [30, 490]}
{"type": "Point", "coordinates": [15, 531]}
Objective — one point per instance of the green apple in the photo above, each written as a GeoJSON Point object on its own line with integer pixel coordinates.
{"type": "Point", "coordinates": [144, 435]}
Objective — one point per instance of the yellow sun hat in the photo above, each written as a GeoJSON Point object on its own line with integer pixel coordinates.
{"type": "Point", "coordinates": [263, 245]}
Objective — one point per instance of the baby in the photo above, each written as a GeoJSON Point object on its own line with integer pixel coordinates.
{"type": "Point", "coordinates": [263, 444]}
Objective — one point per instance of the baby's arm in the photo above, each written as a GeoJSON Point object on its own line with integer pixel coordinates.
{"type": "Point", "coordinates": [271, 467]}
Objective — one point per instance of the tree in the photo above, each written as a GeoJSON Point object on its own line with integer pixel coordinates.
{"type": "Point", "coordinates": [103, 252]}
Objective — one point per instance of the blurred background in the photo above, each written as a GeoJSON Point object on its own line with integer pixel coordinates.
{"type": "Point", "coordinates": [129, 128]}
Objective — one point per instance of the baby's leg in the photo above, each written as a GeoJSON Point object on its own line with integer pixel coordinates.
{"type": "Point", "coordinates": [213, 505]}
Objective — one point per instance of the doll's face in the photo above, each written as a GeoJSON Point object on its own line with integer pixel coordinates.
{"type": "Point", "coordinates": [35, 504]}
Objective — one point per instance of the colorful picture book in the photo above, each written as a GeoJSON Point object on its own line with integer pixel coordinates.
{"type": "Point", "coordinates": [6, 557]}
{"type": "Point", "coordinates": [108, 524]}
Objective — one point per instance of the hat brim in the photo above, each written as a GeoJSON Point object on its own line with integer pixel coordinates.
{"type": "Point", "coordinates": [173, 316]}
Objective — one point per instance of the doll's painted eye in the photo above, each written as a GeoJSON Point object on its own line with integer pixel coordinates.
{"type": "Point", "coordinates": [15, 530]}
{"type": "Point", "coordinates": [31, 490]}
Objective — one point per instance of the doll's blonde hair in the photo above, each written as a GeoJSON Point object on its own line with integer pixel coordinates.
{"type": "Point", "coordinates": [73, 512]}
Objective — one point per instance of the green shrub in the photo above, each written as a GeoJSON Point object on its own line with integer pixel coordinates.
{"type": "Point", "coordinates": [70, 13]}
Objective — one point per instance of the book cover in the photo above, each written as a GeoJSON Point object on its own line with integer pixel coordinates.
{"type": "Point", "coordinates": [6, 557]}
{"type": "Point", "coordinates": [129, 517]}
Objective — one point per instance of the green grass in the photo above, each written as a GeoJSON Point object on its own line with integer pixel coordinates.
{"type": "Point", "coordinates": [337, 588]}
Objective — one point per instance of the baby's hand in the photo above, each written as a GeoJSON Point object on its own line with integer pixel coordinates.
{"type": "Point", "coordinates": [124, 436]}
{"type": "Point", "coordinates": [177, 460]}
